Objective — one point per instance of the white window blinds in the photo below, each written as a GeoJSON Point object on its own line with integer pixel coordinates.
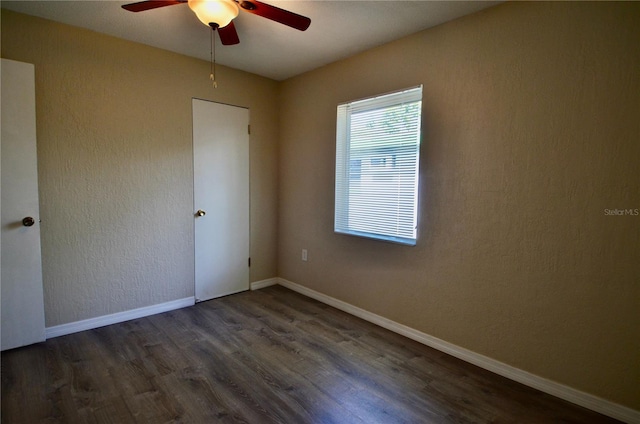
{"type": "Point", "coordinates": [377, 159]}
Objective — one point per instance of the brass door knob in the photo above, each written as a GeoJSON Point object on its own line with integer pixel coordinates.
{"type": "Point", "coordinates": [200, 213]}
{"type": "Point", "coordinates": [28, 221]}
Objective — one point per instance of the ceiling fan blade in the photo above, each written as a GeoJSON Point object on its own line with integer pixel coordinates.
{"type": "Point", "coordinates": [276, 14]}
{"type": "Point", "coordinates": [150, 4]}
{"type": "Point", "coordinates": [228, 34]}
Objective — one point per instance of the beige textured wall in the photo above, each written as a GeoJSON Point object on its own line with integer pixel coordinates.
{"type": "Point", "coordinates": [531, 130]}
{"type": "Point", "coordinates": [115, 166]}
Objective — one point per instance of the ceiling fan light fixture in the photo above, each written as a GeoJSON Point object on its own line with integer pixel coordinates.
{"type": "Point", "coordinates": [219, 12]}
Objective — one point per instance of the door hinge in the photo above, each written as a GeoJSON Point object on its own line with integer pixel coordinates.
{"type": "Point", "coordinates": [249, 129]}
{"type": "Point", "coordinates": [249, 262]}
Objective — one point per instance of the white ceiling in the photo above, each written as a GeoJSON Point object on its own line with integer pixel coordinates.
{"type": "Point", "coordinates": [339, 29]}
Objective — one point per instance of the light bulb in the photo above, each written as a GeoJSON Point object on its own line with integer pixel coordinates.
{"type": "Point", "coordinates": [219, 12]}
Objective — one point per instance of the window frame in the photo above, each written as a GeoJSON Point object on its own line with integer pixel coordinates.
{"type": "Point", "coordinates": [344, 175]}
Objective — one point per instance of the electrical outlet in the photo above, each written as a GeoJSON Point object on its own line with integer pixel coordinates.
{"type": "Point", "coordinates": [304, 255]}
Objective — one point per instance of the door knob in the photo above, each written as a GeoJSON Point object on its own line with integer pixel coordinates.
{"type": "Point", "coordinates": [28, 221]}
{"type": "Point", "coordinates": [200, 213]}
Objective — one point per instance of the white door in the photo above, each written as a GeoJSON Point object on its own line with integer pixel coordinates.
{"type": "Point", "coordinates": [21, 277]}
{"type": "Point", "coordinates": [221, 198]}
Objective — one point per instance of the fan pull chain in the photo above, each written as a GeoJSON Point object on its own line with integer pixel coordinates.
{"type": "Point", "coordinates": [212, 76]}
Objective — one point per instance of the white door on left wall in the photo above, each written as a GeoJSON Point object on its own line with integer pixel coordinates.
{"type": "Point", "coordinates": [221, 199]}
{"type": "Point", "coordinates": [21, 290]}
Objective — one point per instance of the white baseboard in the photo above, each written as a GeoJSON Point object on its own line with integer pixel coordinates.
{"type": "Point", "coordinates": [91, 323]}
{"type": "Point", "coordinates": [561, 391]}
{"type": "Point", "coordinates": [257, 285]}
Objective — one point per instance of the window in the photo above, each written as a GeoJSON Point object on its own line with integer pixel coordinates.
{"type": "Point", "coordinates": [377, 159]}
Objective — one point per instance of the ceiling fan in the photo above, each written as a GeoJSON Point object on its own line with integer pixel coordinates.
{"type": "Point", "coordinates": [219, 14]}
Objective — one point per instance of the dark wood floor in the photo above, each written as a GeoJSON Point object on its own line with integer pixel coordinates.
{"type": "Point", "coordinates": [268, 356]}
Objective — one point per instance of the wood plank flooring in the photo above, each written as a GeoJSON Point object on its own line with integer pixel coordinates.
{"type": "Point", "coordinates": [268, 356]}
